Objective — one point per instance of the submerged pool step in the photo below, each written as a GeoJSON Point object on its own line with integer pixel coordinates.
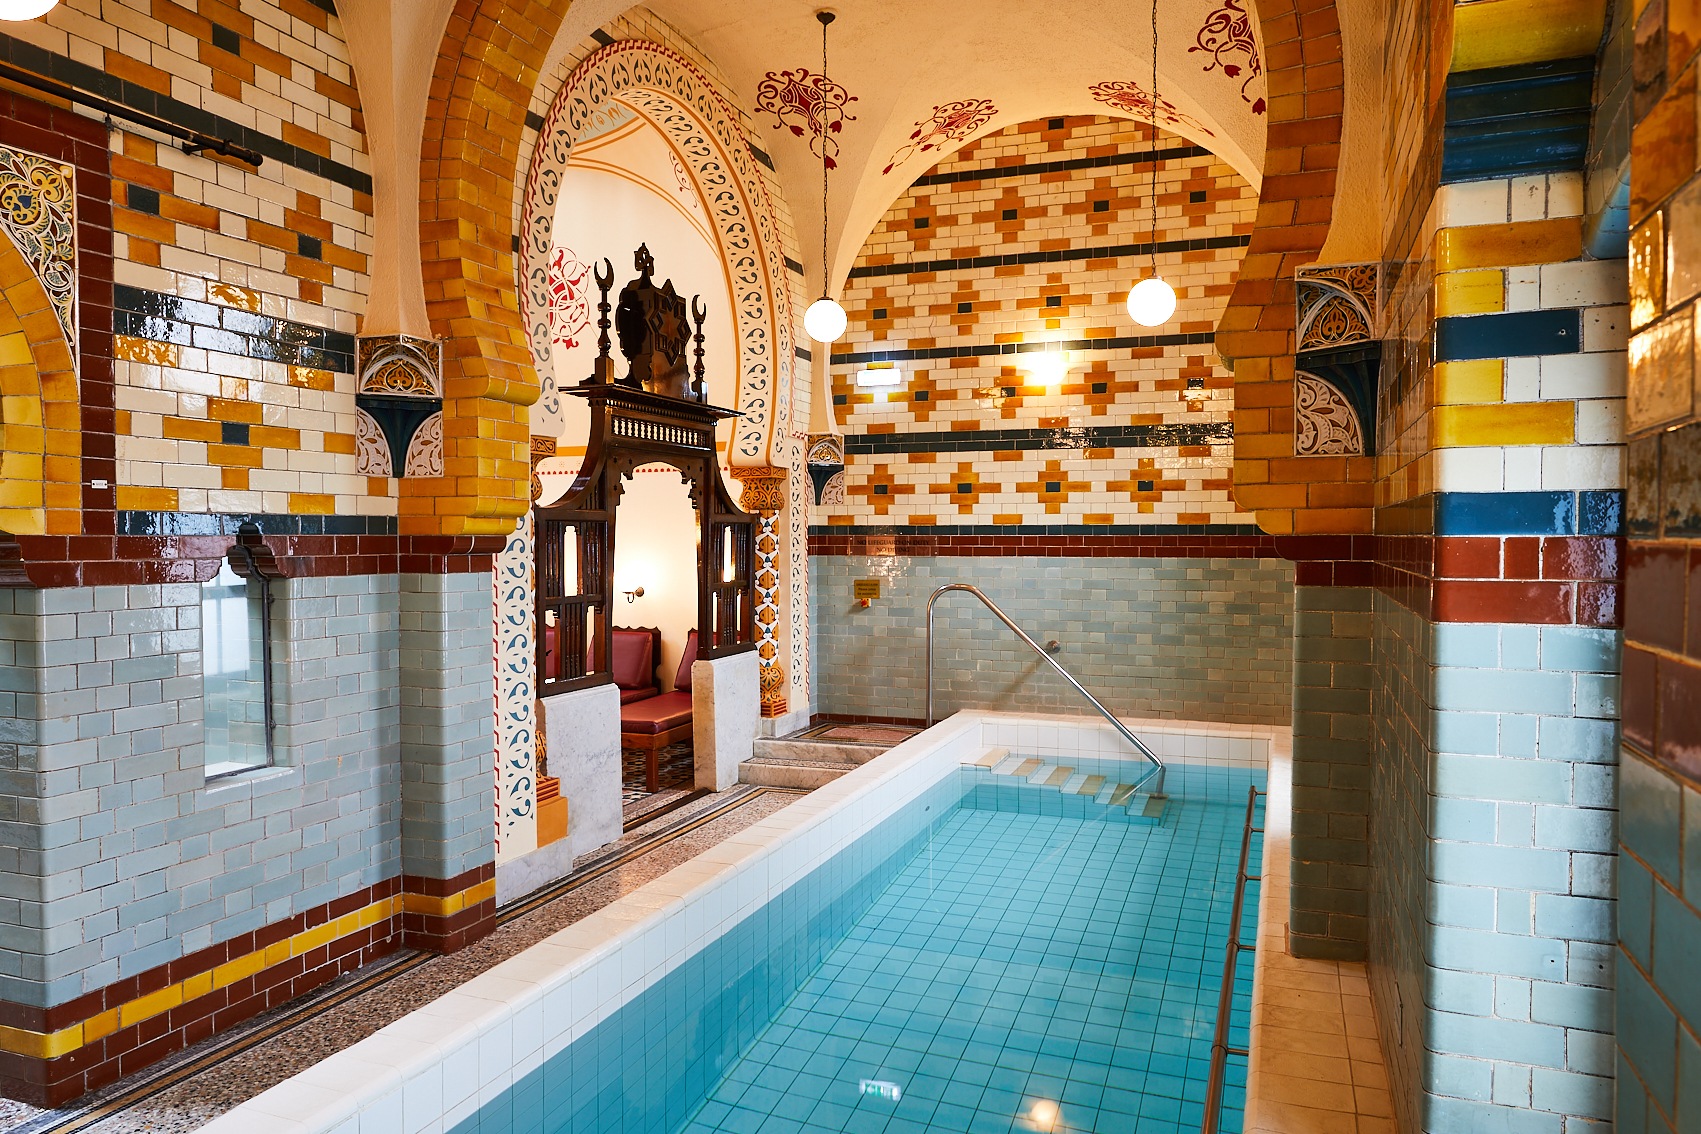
{"type": "Point", "coordinates": [1067, 781]}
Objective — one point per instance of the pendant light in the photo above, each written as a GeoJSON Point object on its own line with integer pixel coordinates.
{"type": "Point", "coordinates": [13, 10]}
{"type": "Point", "coordinates": [1152, 301]}
{"type": "Point", "coordinates": [825, 319]}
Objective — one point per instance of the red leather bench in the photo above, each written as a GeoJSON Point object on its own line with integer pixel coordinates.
{"type": "Point", "coordinates": [652, 723]}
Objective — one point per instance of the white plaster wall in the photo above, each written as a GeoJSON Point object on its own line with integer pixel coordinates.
{"type": "Point", "coordinates": [655, 547]}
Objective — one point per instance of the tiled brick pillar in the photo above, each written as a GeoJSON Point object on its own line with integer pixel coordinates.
{"type": "Point", "coordinates": [448, 842]}
{"type": "Point", "coordinates": [490, 57]}
{"type": "Point", "coordinates": [1329, 902]}
{"type": "Point", "coordinates": [1659, 929]}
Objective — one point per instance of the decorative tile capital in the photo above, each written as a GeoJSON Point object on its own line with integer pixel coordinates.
{"type": "Point", "coordinates": [400, 365]}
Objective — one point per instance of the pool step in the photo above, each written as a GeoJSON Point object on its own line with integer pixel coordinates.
{"type": "Point", "coordinates": [1067, 781]}
{"type": "Point", "coordinates": [779, 771]}
{"type": "Point", "coordinates": [823, 751]}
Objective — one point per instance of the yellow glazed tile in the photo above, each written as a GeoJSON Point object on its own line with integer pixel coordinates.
{"type": "Point", "coordinates": [97, 1027]}
{"type": "Point", "coordinates": [147, 499]}
{"type": "Point", "coordinates": [1500, 33]}
{"type": "Point", "coordinates": [1520, 423]}
{"type": "Point", "coordinates": [1648, 271]}
{"type": "Point", "coordinates": [232, 296]}
{"type": "Point", "coordinates": [1505, 245]}
{"type": "Point", "coordinates": [198, 985]}
{"type": "Point", "coordinates": [146, 350]}
{"type": "Point", "coordinates": [1470, 293]}
{"type": "Point", "coordinates": [151, 1005]}
{"type": "Point", "coordinates": [312, 503]}
{"type": "Point", "coordinates": [245, 966]}
{"type": "Point", "coordinates": [15, 350]}
{"type": "Point", "coordinates": [1469, 383]}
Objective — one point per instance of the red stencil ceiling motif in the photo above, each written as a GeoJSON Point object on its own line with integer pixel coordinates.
{"type": "Point", "coordinates": [1130, 98]}
{"type": "Point", "coordinates": [951, 122]}
{"type": "Point", "coordinates": [807, 103]}
{"type": "Point", "coordinates": [569, 297]}
{"type": "Point", "coordinates": [1228, 32]}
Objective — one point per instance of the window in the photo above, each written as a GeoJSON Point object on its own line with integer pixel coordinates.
{"type": "Point", "coordinates": [235, 669]}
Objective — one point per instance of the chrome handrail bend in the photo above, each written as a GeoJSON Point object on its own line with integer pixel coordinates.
{"type": "Point", "coordinates": [1139, 745]}
{"type": "Point", "coordinates": [1220, 1050]}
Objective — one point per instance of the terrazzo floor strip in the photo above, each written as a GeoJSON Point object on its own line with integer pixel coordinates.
{"type": "Point", "coordinates": [110, 1111]}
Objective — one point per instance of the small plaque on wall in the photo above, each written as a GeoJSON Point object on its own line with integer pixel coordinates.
{"type": "Point", "coordinates": [868, 588]}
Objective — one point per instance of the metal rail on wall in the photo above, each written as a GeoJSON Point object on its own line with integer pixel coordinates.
{"type": "Point", "coordinates": [1045, 655]}
{"type": "Point", "coordinates": [1220, 1050]}
{"type": "Point", "coordinates": [193, 140]}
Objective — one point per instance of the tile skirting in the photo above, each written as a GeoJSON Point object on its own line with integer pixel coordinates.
{"type": "Point", "coordinates": [51, 1055]}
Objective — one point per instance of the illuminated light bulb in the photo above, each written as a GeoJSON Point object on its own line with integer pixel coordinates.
{"type": "Point", "coordinates": [25, 9]}
{"type": "Point", "coordinates": [1049, 369]}
{"type": "Point", "coordinates": [1151, 302]}
{"type": "Point", "coordinates": [825, 320]}
{"type": "Point", "coordinates": [1043, 1114]}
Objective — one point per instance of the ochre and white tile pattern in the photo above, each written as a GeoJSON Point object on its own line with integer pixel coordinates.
{"type": "Point", "coordinates": [1198, 197]}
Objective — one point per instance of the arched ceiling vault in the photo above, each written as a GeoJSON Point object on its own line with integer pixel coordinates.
{"type": "Point", "coordinates": [900, 61]}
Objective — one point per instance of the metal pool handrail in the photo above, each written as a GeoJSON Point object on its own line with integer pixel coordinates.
{"type": "Point", "coordinates": [1220, 1050]}
{"type": "Point", "coordinates": [1139, 745]}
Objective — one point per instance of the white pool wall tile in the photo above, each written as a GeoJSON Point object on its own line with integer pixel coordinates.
{"type": "Point", "coordinates": [437, 1065]}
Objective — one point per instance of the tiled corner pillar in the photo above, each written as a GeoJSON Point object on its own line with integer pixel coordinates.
{"type": "Point", "coordinates": [1329, 899]}
{"type": "Point", "coordinates": [448, 792]}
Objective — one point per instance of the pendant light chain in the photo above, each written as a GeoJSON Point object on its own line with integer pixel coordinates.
{"type": "Point", "coordinates": [1154, 143]}
{"type": "Point", "coordinates": [824, 22]}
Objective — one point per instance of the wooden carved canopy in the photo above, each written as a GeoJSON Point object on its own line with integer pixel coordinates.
{"type": "Point", "coordinates": [655, 414]}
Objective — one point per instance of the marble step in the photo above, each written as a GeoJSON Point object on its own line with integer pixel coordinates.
{"type": "Point", "coordinates": [778, 771]}
{"type": "Point", "coordinates": [819, 751]}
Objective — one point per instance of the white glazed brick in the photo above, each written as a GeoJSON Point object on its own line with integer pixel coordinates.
{"type": "Point", "coordinates": [1570, 376]}
{"type": "Point", "coordinates": [1580, 467]}
{"type": "Point", "coordinates": [1472, 203]}
{"type": "Point", "coordinates": [1584, 283]}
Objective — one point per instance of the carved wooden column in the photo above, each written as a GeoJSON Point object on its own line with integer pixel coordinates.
{"type": "Point", "coordinates": [765, 496]}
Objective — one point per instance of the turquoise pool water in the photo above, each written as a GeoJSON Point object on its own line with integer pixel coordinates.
{"type": "Point", "coordinates": [988, 946]}
{"type": "Point", "coordinates": [1022, 971]}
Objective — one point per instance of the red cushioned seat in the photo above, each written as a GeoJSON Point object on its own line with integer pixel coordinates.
{"type": "Point", "coordinates": [656, 714]}
{"type": "Point", "coordinates": [633, 664]}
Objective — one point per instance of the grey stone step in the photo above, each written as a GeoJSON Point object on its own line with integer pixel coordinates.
{"type": "Point", "coordinates": [818, 751]}
{"type": "Point", "coordinates": [771, 771]}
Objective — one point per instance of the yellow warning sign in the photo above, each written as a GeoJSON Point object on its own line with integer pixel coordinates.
{"type": "Point", "coordinates": [867, 588]}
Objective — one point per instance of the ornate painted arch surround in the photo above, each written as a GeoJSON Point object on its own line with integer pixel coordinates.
{"type": "Point", "coordinates": [681, 101]}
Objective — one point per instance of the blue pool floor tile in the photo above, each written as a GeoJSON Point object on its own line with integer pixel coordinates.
{"type": "Point", "coordinates": [1022, 955]}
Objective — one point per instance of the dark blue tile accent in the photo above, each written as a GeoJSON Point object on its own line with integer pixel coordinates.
{"type": "Point", "coordinates": [143, 199]}
{"type": "Point", "coordinates": [166, 318]}
{"type": "Point", "coordinates": [1601, 513]}
{"type": "Point", "coordinates": [793, 266]}
{"type": "Point", "coordinates": [1505, 513]}
{"type": "Point", "coordinates": [92, 79]}
{"type": "Point", "coordinates": [1514, 334]}
{"type": "Point", "coordinates": [204, 523]}
{"type": "Point", "coordinates": [903, 530]}
{"type": "Point", "coordinates": [1108, 161]}
{"type": "Point", "coordinates": [978, 350]}
{"type": "Point", "coordinates": [760, 155]}
{"type": "Point", "coordinates": [1080, 437]}
{"type": "Point", "coordinates": [233, 433]}
{"type": "Point", "coordinates": [1056, 256]}
{"type": "Point", "coordinates": [534, 121]}
{"type": "Point", "coordinates": [602, 37]}
{"type": "Point", "coordinates": [1530, 118]}
{"type": "Point", "coordinates": [803, 354]}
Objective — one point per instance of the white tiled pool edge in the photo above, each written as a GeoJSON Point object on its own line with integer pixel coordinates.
{"type": "Point", "coordinates": [1316, 1062]}
{"type": "Point", "coordinates": [439, 1064]}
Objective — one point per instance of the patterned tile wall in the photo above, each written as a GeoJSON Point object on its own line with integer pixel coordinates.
{"type": "Point", "coordinates": [1198, 639]}
{"type": "Point", "coordinates": [1024, 243]}
{"type": "Point", "coordinates": [285, 245]}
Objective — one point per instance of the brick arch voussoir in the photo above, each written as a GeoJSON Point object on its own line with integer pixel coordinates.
{"type": "Point", "coordinates": [1304, 65]}
{"type": "Point", "coordinates": [487, 64]}
{"type": "Point", "coordinates": [40, 489]}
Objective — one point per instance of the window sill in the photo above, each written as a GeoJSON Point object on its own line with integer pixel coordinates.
{"type": "Point", "coordinates": [250, 778]}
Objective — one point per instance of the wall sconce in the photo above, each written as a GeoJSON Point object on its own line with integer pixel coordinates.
{"type": "Point", "coordinates": [634, 594]}
{"type": "Point", "coordinates": [879, 374]}
{"type": "Point", "coordinates": [1048, 370]}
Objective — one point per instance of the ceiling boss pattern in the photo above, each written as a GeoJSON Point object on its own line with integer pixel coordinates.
{"type": "Point", "coordinates": [810, 105]}
{"type": "Point", "coordinates": [950, 122]}
{"type": "Point", "coordinates": [1131, 99]}
{"type": "Point", "coordinates": [1227, 31]}
{"type": "Point", "coordinates": [707, 131]}
{"type": "Point", "coordinates": [38, 213]}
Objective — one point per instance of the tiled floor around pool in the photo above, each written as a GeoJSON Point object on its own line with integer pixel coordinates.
{"type": "Point", "coordinates": [1022, 958]}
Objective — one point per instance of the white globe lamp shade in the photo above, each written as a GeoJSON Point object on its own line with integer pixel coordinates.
{"type": "Point", "coordinates": [1151, 302]}
{"type": "Point", "coordinates": [825, 320]}
{"type": "Point", "coordinates": [25, 9]}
